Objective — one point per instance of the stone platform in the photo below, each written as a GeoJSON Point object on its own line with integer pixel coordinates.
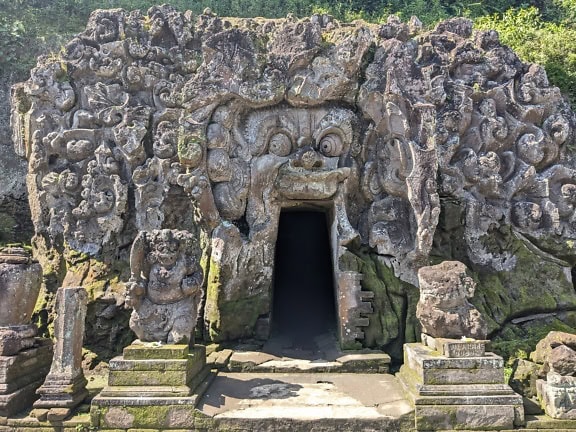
{"type": "Point", "coordinates": [459, 393]}
{"type": "Point", "coordinates": [282, 355]}
{"type": "Point", "coordinates": [152, 386]}
{"type": "Point", "coordinates": [305, 402]}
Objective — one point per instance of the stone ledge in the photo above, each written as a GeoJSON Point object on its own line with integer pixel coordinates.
{"type": "Point", "coordinates": [151, 351]}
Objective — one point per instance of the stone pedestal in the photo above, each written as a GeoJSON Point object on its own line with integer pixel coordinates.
{"type": "Point", "coordinates": [152, 378]}
{"type": "Point", "coordinates": [65, 385]}
{"type": "Point", "coordinates": [21, 375]}
{"type": "Point", "coordinates": [558, 396]}
{"type": "Point", "coordinates": [459, 393]}
{"type": "Point", "coordinates": [24, 358]}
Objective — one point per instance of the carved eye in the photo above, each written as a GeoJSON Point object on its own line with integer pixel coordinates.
{"type": "Point", "coordinates": [331, 145]}
{"type": "Point", "coordinates": [280, 144]}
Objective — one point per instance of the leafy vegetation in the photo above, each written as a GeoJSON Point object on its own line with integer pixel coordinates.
{"type": "Point", "coordinates": [550, 44]}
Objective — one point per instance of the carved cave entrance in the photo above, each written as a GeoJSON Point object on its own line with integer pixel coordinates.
{"type": "Point", "coordinates": [303, 297]}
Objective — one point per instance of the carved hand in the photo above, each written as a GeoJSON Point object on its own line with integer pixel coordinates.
{"type": "Point", "coordinates": [191, 284]}
{"type": "Point", "coordinates": [134, 292]}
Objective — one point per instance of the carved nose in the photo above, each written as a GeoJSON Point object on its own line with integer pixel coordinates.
{"type": "Point", "coordinates": [308, 158]}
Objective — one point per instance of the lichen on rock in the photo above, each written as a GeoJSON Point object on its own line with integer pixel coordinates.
{"type": "Point", "coordinates": [417, 145]}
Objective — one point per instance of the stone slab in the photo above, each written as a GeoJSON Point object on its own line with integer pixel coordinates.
{"type": "Point", "coordinates": [148, 378]}
{"type": "Point", "coordinates": [150, 351]}
{"type": "Point", "coordinates": [156, 413]}
{"type": "Point", "coordinates": [32, 359]}
{"type": "Point", "coordinates": [342, 362]}
{"type": "Point", "coordinates": [546, 423]}
{"type": "Point", "coordinates": [468, 417]}
{"type": "Point", "coordinates": [145, 391]}
{"type": "Point", "coordinates": [19, 400]}
{"type": "Point", "coordinates": [365, 362]}
{"type": "Point", "coordinates": [558, 401]}
{"type": "Point", "coordinates": [251, 400]}
{"type": "Point", "coordinates": [122, 364]}
{"type": "Point", "coordinates": [465, 390]}
{"type": "Point", "coordinates": [418, 356]}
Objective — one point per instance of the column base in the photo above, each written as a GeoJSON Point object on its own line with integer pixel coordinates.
{"type": "Point", "coordinates": [459, 393]}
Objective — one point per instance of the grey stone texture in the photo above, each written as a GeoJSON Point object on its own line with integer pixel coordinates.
{"type": "Point", "coordinates": [172, 121]}
{"type": "Point", "coordinates": [65, 384]}
{"type": "Point", "coordinates": [152, 386]}
{"type": "Point", "coordinates": [443, 309]}
{"type": "Point", "coordinates": [24, 358]}
{"type": "Point", "coordinates": [459, 393]}
{"type": "Point", "coordinates": [557, 392]}
{"type": "Point", "coordinates": [165, 287]}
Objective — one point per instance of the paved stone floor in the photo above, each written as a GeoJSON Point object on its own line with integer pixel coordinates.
{"type": "Point", "coordinates": [368, 399]}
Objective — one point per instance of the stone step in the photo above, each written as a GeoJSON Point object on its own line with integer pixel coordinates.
{"type": "Point", "coordinates": [360, 362]}
{"type": "Point", "coordinates": [305, 402]}
{"type": "Point", "coordinates": [465, 390]}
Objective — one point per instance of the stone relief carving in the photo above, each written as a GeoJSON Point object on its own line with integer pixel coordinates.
{"type": "Point", "coordinates": [165, 288]}
{"type": "Point", "coordinates": [444, 310]}
{"type": "Point", "coordinates": [373, 124]}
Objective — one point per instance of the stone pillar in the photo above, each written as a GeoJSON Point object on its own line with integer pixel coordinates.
{"type": "Point", "coordinates": [451, 380]}
{"type": "Point", "coordinates": [65, 385]}
{"type": "Point", "coordinates": [24, 358]}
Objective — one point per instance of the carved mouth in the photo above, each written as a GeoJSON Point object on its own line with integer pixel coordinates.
{"type": "Point", "coordinates": [301, 183]}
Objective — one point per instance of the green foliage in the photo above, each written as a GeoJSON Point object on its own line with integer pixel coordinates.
{"type": "Point", "coordinates": [550, 44]}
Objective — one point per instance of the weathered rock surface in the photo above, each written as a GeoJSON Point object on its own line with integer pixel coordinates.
{"type": "Point", "coordinates": [557, 393]}
{"type": "Point", "coordinates": [435, 143]}
{"type": "Point", "coordinates": [165, 288]}
{"type": "Point", "coordinates": [443, 308]}
{"type": "Point", "coordinates": [553, 340]}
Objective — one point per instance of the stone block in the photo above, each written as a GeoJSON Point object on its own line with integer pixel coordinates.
{"type": "Point", "coordinates": [122, 364]}
{"type": "Point", "coordinates": [148, 378]}
{"type": "Point", "coordinates": [367, 362]}
{"type": "Point", "coordinates": [153, 351]}
{"type": "Point", "coordinates": [65, 385]}
{"type": "Point", "coordinates": [175, 413]}
{"type": "Point", "coordinates": [21, 375]}
{"type": "Point", "coordinates": [558, 398]}
{"type": "Point", "coordinates": [433, 368]}
{"type": "Point", "coordinates": [469, 417]}
{"type": "Point", "coordinates": [452, 348]}
{"type": "Point", "coordinates": [459, 393]}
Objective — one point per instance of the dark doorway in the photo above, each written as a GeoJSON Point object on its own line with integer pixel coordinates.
{"type": "Point", "coordinates": [304, 304]}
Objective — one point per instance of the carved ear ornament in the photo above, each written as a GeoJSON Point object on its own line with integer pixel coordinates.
{"type": "Point", "coordinates": [332, 142]}
{"type": "Point", "coordinates": [280, 143]}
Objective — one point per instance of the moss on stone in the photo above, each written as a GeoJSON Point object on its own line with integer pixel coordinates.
{"type": "Point", "coordinates": [394, 320]}
{"type": "Point", "coordinates": [534, 285]}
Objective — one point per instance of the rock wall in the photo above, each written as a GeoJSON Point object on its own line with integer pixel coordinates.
{"type": "Point", "coordinates": [420, 147]}
{"type": "Point", "coordinates": [15, 222]}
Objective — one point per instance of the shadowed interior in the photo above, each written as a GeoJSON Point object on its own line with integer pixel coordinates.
{"type": "Point", "coordinates": [304, 304]}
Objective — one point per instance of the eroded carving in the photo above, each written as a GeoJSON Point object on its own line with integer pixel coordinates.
{"type": "Point", "coordinates": [165, 288]}
{"type": "Point", "coordinates": [444, 310]}
{"type": "Point", "coordinates": [177, 120]}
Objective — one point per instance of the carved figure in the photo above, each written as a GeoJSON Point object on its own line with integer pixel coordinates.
{"type": "Point", "coordinates": [165, 288]}
{"type": "Point", "coordinates": [176, 120]}
{"type": "Point", "coordinates": [443, 309]}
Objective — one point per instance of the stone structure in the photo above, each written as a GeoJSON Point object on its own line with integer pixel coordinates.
{"type": "Point", "coordinates": [174, 121]}
{"type": "Point", "coordinates": [20, 279]}
{"type": "Point", "coordinates": [165, 288]}
{"type": "Point", "coordinates": [151, 378]}
{"type": "Point", "coordinates": [158, 372]}
{"type": "Point", "coordinates": [557, 392]}
{"type": "Point", "coordinates": [454, 383]}
{"type": "Point", "coordinates": [443, 309]}
{"type": "Point", "coordinates": [24, 358]}
{"type": "Point", "coordinates": [65, 385]}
